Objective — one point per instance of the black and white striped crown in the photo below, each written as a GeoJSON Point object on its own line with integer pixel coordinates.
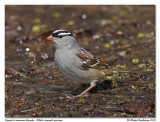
{"type": "Point", "coordinates": [61, 33]}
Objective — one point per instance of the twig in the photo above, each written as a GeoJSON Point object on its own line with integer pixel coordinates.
{"type": "Point", "coordinates": [28, 110]}
{"type": "Point", "coordinates": [19, 73]}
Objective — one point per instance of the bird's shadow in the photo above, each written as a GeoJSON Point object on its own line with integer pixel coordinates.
{"type": "Point", "coordinates": [107, 84]}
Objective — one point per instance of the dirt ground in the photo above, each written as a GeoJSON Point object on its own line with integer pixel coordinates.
{"type": "Point", "coordinates": [123, 36]}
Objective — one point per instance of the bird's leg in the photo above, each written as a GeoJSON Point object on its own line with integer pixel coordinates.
{"type": "Point", "coordinates": [92, 84]}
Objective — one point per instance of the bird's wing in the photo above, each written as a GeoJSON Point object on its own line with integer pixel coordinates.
{"type": "Point", "coordinates": [90, 61]}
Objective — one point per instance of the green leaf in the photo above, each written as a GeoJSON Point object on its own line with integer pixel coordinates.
{"type": "Point", "coordinates": [140, 35]}
{"type": "Point", "coordinates": [39, 10]}
{"type": "Point", "coordinates": [114, 84]}
{"type": "Point", "coordinates": [148, 22]}
{"type": "Point", "coordinates": [121, 66]}
{"type": "Point", "coordinates": [107, 45]}
{"type": "Point", "coordinates": [151, 86]}
{"type": "Point", "coordinates": [81, 100]}
{"type": "Point", "coordinates": [37, 21]}
{"type": "Point", "coordinates": [71, 22]}
{"type": "Point", "coordinates": [109, 77]}
{"type": "Point", "coordinates": [135, 89]}
{"type": "Point", "coordinates": [36, 28]}
{"type": "Point", "coordinates": [57, 15]}
{"type": "Point", "coordinates": [135, 61]}
{"type": "Point", "coordinates": [122, 13]}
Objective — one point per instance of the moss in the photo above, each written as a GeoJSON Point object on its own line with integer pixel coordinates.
{"type": "Point", "coordinates": [151, 86]}
{"type": "Point", "coordinates": [151, 63]}
{"type": "Point", "coordinates": [118, 76]}
{"type": "Point", "coordinates": [105, 21]}
{"type": "Point", "coordinates": [142, 35]}
{"type": "Point", "coordinates": [135, 89]}
{"type": "Point", "coordinates": [114, 84]}
{"type": "Point", "coordinates": [109, 77]}
{"type": "Point", "coordinates": [121, 66]}
{"type": "Point", "coordinates": [148, 70]}
{"type": "Point", "coordinates": [81, 100]}
{"type": "Point", "coordinates": [6, 96]}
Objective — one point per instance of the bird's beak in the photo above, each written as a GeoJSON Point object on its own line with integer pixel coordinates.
{"type": "Point", "coordinates": [50, 38]}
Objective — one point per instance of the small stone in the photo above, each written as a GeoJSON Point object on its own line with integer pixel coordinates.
{"type": "Point", "coordinates": [37, 104]}
{"type": "Point", "coordinates": [120, 33]}
{"type": "Point", "coordinates": [141, 65]}
{"type": "Point", "coordinates": [84, 16]}
{"type": "Point", "coordinates": [122, 53]}
{"type": "Point", "coordinates": [27, 49]}
{"type": "Point", "coordinates": [34, 115]}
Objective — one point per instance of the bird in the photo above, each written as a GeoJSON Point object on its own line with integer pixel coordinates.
{"type": "Point", "coordinates": [76, 63]}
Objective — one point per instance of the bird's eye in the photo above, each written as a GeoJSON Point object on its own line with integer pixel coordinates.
{"type": "Point", "coordinates": [60, 36]}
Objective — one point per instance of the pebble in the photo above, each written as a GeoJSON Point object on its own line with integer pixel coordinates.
{"type": "Point", "coordinates": [141, 65]}
{"type": "Point", "coordinates": [122, 53]}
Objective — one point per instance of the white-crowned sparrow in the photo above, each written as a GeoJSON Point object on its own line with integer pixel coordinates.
{"type": "Point", "coordinates": [75, 62]}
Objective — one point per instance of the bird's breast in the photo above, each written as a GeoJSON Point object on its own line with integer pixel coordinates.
{"type": "Point", "coordinates": [68, 64]}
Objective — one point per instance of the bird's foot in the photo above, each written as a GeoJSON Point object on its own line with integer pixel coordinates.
{"type": "Point", "coordinates": [83, 95]}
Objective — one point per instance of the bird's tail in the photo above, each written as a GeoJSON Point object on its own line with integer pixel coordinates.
{"type": "Point", "coordinates": [116, 70]}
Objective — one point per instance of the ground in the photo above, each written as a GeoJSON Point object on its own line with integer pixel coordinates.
{"type": "Point", "coordinates": [123, 36]}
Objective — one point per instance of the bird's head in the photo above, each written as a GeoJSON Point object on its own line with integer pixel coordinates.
{"type": "Point", "coordinates": [62, 38]}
